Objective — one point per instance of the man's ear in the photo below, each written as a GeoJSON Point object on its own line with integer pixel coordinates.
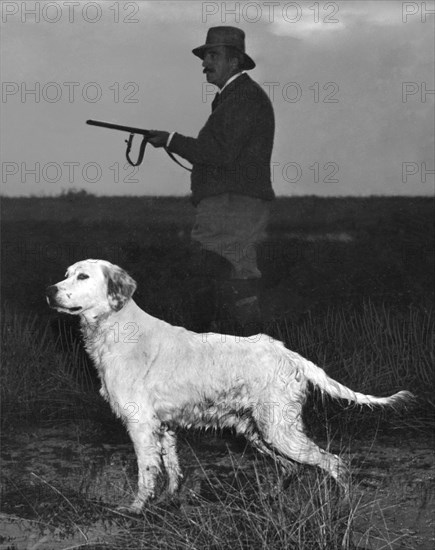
{"type": "Point", "coordinates": [120, 286]}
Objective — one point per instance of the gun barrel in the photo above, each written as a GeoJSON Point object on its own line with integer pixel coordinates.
{"type": "Point", "coordinates": [110, 126]}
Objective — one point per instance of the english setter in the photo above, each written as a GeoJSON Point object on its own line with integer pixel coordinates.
{"type": "Point", "coordinates": [157, 376]}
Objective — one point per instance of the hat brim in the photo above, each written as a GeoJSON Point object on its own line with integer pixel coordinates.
{"type": "Point", "coordinates": [248, 63]}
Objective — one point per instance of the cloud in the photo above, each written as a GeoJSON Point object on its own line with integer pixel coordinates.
{"type": "Point", "coordinates": [323, 20]}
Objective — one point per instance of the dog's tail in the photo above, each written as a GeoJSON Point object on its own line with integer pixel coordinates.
{"type": "Point", "coordinates": [324, 383]}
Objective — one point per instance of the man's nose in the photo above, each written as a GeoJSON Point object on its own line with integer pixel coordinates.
{"type": "Point", "coordinates": [206, 59]}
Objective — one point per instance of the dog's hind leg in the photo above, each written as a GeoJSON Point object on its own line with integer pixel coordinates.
{"type": "Point", "coordinates": [256, 441]}
{"type": "Point", "coordinates": [297, 446]}
{"type": "Point", "coordinates": [170, 459]}
{"type": "Point", "coordinates": [287, 437]}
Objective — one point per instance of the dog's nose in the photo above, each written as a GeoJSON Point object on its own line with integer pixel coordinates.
{"type": "Point", "coordinates": [51, 291]}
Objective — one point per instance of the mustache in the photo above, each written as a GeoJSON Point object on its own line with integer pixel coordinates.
{"type": "Point", "coordinates": [205, 71]}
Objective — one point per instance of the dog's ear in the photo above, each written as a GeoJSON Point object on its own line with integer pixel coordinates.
{"type": "Point", "coordinates": [120, 286]}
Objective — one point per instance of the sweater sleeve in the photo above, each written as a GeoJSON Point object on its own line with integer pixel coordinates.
{"type": "Point", "coordinates": [225, 133]}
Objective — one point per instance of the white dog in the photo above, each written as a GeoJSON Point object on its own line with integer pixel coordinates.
{"type": "Point", "coordinates": [156, 376]}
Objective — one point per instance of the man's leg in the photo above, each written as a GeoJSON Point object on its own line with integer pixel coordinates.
{"type": "Point", "coordinates": [228, 229]}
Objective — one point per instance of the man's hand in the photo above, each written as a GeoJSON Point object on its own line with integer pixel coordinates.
{"type": "Point", "coordinates": [158, 138]}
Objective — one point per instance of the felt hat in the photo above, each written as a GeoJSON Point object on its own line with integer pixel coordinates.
{"type": "Point", "coordinates": [226, 36]}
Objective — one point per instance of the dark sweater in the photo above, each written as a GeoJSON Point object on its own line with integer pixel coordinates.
{"type": "Point", "coordinates": [233, 150]}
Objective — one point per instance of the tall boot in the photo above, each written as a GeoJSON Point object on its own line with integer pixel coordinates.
{"type": "Point", "coordinates": [202, 304]}
{"type": "Point", "coordinates": [238, 306]}
{"type": "Point", "coordinates": [207, 268]}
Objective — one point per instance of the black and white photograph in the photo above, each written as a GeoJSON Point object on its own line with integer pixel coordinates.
{"type": "Point", "coordinates": [217, 275]}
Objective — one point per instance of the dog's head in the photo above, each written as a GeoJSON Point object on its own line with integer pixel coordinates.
{"type": "Point", "coordinates": [93, 286]}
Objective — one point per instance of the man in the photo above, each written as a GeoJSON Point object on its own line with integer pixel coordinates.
{"type": "Point", "coordinates": [230, 182]}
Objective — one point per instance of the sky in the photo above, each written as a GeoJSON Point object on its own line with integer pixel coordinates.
{"type": "Point", "coordinates": [351, 83]}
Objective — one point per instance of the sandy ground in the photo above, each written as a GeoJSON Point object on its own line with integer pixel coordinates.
{"type": "Point", "coordinates": [393, 483]}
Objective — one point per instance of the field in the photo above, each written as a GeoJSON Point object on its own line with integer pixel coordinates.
{"type": "Point", "coordinates": [347, 282]}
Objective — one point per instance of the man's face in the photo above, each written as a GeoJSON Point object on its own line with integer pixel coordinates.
{"type": "Point", "coordinates": [217, 67]}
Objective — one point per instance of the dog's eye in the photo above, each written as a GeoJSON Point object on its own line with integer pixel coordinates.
{"type": "Point", "coordinates": [82, 276]}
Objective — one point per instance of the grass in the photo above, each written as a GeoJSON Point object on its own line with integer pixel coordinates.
{"type": "Point", "coordinates": [246, 516]}
{"type": "Point", "coordinates": [244, 513]}
{"type": "Point", "coordinates": [251, 508]}
{"type": "Point", "coordinates": [374, 350]}
{"type": "Point", "coordinates": [43, 377]}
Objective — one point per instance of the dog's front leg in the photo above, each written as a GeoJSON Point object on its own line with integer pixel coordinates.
{"type": "Point", "coordinates": [170, 459]}
{"type": "Point", "coordinates": [147, 445]}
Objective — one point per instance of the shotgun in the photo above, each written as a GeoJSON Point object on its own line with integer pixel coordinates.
{"type": "Point", "coordinates": [132, 131]}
